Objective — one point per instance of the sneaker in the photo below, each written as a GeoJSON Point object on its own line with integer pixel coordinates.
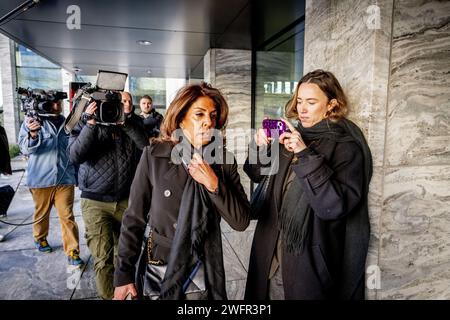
{"type": "Point", "coordinates": [74, 258]}
{"type": "Point", "coordinates": [43, 246]}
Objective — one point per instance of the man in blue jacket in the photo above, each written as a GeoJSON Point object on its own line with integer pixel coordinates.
{"type": "Point", "coordinates": [51, 179]}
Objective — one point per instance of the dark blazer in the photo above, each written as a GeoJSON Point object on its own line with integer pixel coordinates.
{"type": "Point", "coordinates": [156, 194]}
{"type": "Point", "coordinates": [331, 175]}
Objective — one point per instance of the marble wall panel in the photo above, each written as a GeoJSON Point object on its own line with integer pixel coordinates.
{"type": "Point", "coordinates": [230, 72]}
{"type": "Point", "coordinates": [415, 242]}
{"type": "Point", "coordinates": [8, 83]}
{"type": "Point", "coordinates": [419, 91]}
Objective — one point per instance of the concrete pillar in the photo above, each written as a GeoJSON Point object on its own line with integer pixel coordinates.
{"type": "Point", "coordinates": [8, 77]}
{"type": "Point", "coordinates": [67, 77]}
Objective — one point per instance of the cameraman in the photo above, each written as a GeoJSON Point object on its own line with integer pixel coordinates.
{"type": "Point", "coordinates": [108, 157]}
{"type": "Point", "coordinates": [51, 179]}
{"type": "Point", "coordinates": [150, 117]}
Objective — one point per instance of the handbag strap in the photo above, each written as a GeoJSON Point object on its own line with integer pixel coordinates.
{"type": "Point", "coordinates": [150, 260]}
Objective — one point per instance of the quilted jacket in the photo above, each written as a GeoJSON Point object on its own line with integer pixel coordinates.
{"type": "Point", "coordinates": [107, 157]}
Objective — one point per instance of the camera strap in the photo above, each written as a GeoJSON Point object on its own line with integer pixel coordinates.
{"type": "Point", "coordinates": [75, 114]}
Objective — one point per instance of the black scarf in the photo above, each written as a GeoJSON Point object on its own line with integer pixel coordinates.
{"type": "Point", "coordinates": [197, 239]}
{"type": "Point", "coordinates": [295, 214]}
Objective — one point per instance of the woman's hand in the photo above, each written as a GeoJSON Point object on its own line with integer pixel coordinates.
{"type": "Point", "coordinates": [292, 141]}
{"type": "Point", "coordinates": [202, 172]}
{"type": "Point", "coordinates": [120, 293]}
{"type": "Point", "coordinates": [261, 139]}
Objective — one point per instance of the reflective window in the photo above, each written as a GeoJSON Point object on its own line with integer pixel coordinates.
{"type": "Point", "coordinates": [36, 72]}
{"type": "Point", "coordinates": [279, 67]}
{"type": "Point", "coordinates": [154, 87]}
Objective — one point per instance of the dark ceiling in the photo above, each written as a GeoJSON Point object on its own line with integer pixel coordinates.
{"type": "Point", "coordinates": [181, 32]}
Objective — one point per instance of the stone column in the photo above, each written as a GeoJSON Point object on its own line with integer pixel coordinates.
{"type": "Point", "coordinates": [415, 222]}
{"type": "Point", "coordinates": [8, 77]}
{"type": "Point", "coordinates": [229, 70]}
{"type": "Point", "coordinates": [390, 57]}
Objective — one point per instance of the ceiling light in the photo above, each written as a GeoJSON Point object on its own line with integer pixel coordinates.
{"type": "Point", "coordinates": [144, 42]}
{"type": "Point", "coordinates": [149, 71]}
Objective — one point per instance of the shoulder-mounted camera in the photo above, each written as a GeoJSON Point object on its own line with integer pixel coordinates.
{"type": "Point", "coordinates": [37, 103]}
{"type": "Point", "coordinates": [106, 93]}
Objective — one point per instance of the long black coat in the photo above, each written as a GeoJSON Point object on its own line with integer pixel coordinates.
{"type": "Point", "coordinates": [332, 176]}
{"type": "Point", "coordinates": [156, 194]}
{"type": "Point", "coordinates": [5, 161]}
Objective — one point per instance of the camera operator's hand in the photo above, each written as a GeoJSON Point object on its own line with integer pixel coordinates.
{"type": "Point", "coordinates": [91, 110]}
{"type": "Point", "coordinates": [34, 126]}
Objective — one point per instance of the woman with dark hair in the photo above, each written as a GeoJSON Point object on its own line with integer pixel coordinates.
{"type": "Point", "coordinates": [311, 240]}
{"type": "Point", "coordinates": [181, 190]}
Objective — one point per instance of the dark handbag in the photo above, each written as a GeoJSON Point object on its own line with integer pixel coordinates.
{"type": "Point", "coordinates": [258, 199]}
{"type": "Point", "coordinates": [156, 269]}
{"type": "Point", "coordinates": [6, 196]}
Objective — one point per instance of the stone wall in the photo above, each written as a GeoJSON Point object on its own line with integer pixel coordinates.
{"type": "Point", "coordinates": [392, 58]}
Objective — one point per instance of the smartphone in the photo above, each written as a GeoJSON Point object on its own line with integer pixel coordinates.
{"type": "Point", "coordinates": [274, 125]}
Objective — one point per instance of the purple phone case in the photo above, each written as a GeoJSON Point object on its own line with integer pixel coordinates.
{"type": "Point", "coordinates": [272, 124]}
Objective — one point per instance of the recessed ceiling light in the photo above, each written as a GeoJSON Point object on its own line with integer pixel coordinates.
{"type": "Point", "coordinates": [144, 42]}
{"type": "Point", "coordinates": [76, 69]}
{"type": "Point", "coordinates": [149, 71]}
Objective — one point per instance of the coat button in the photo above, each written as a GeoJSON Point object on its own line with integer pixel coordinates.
{"type": "Point", "coordinates": [167, 193]}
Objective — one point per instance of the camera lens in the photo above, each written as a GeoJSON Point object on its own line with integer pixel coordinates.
{"type": "Point", "coordinates": [109, 112]}
{"type": "Point", "coordinates": [45, 106]}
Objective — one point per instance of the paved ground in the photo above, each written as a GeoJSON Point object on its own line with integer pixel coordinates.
{"type": "Point", "coordinates": [26, 273]}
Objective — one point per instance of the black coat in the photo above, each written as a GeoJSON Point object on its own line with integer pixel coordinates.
{"type": "Point", "coordinates": [332, 176]}
{"type": "Point", "coordinates": [5, 161]}
{"type": "Point", "coordinates": [156, 194]}
{"type": "Point", "coordinates": [152, 123]}
{"type": "Point", "coordinates": [107, 157]}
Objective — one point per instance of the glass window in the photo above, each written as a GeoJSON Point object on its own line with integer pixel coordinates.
{"type": "Point", "coordinates": [27, 58]}
{"type": "Point", "coordinates": [279, 67]}
{"type": "Point", "coordinates": [154, 87]}
{"type": "Point", "coordinates": [36, 72]}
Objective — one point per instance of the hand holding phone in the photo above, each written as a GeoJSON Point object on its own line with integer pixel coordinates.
{"type": "Point", "coordinates": [277, 127]}
{"type": "Point", "coordinates": [292, 139]}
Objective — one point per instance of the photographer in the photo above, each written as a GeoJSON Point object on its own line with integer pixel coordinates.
{"type": "Point", "coordinates": [108, 157]}
{"type": "Point", "coordinates": [51, 179]}
{"type": "Point", "coordinates": [150, 117]}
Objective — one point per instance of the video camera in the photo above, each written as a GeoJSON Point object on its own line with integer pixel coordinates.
{"type": "Point", "coordinates": [37, 103]}
{"type": "Point", "coordinates": [107, 96]}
